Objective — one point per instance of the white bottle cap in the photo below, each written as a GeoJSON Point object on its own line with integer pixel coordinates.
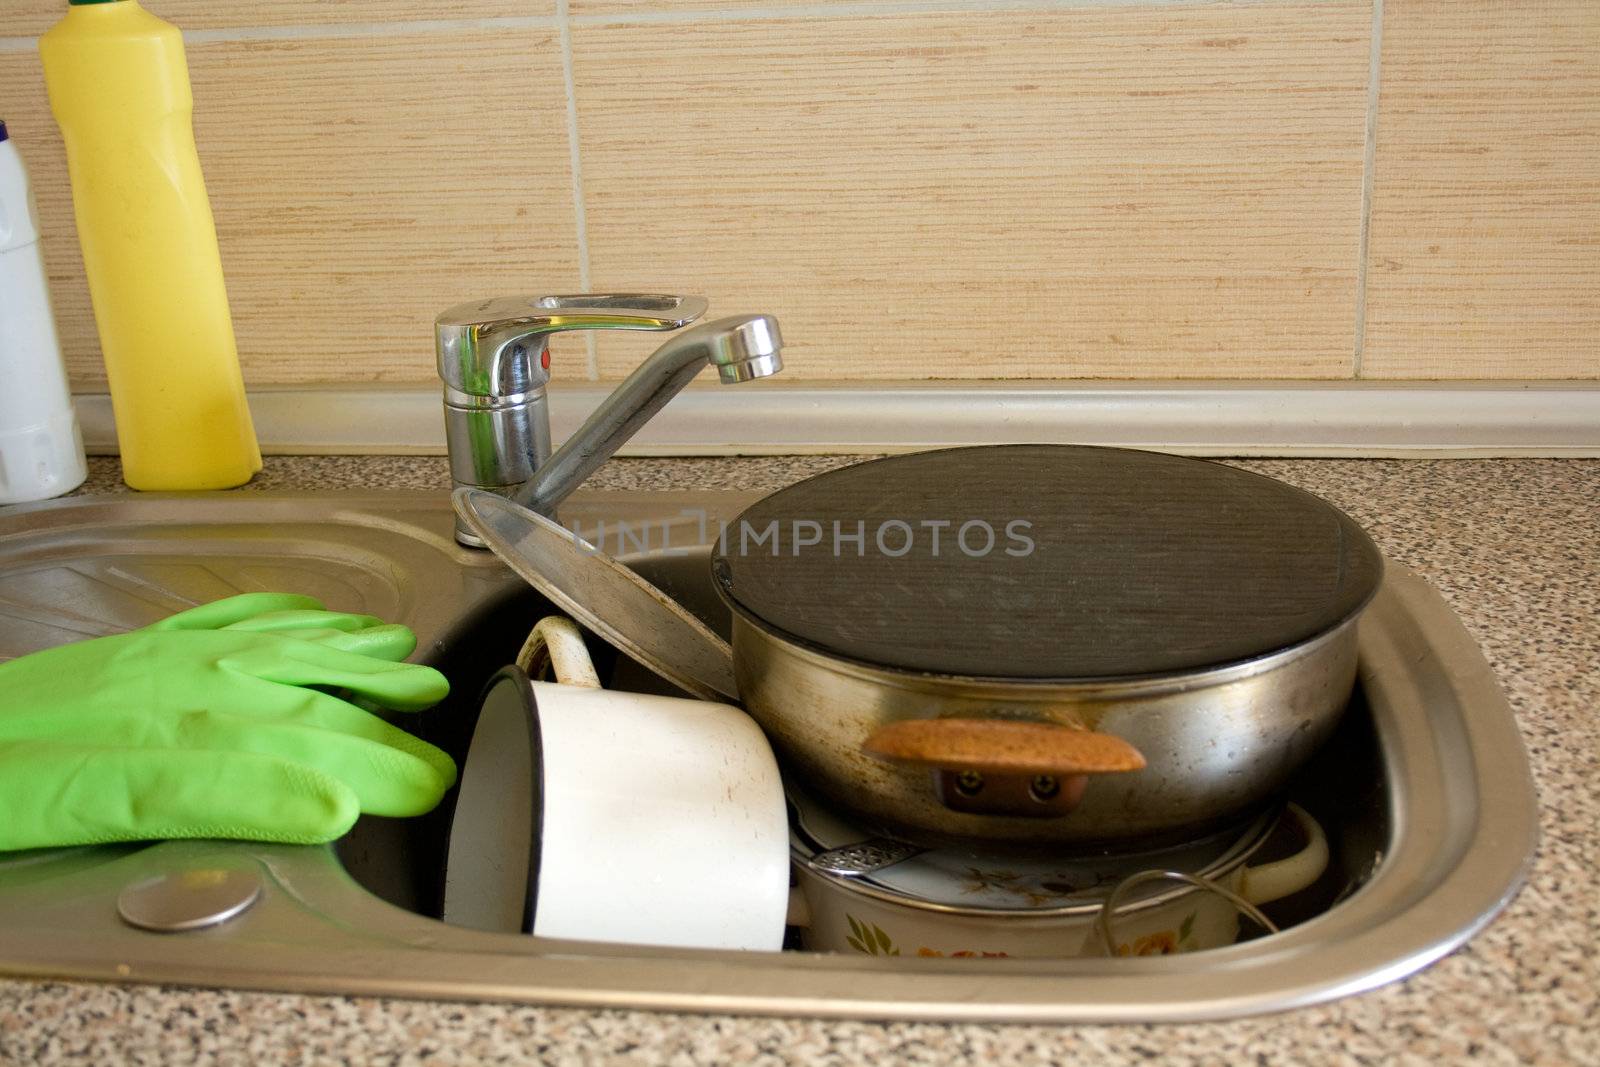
{"type": "Point", "coordinates": [42, 461]}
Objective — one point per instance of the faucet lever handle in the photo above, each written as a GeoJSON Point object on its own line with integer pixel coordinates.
{"type": "Point", "coordinates": [496, 347]}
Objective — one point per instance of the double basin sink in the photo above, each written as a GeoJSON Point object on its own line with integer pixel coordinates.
{"type": "Point", "coordinates": [1425, 792]}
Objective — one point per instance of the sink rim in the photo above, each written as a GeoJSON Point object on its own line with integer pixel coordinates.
{"type": "Point", "coordinates": [1454, 863]}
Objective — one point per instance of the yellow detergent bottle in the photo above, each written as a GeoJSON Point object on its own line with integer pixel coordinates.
{"type": "Point", "coordinates": [119, 87]}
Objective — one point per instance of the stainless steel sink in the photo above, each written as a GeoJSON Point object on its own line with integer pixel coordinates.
{"type": "Point", "coordinates": [1425, 791]}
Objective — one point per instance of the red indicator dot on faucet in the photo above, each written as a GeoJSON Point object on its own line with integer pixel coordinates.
{"type": "Point", "coordinates": [544, 359]}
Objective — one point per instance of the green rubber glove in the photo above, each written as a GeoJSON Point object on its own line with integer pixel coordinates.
{"type": "Point", "coordinates": [217, 722]}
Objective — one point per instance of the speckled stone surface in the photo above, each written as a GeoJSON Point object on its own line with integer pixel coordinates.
{"type": "Point", "coordinates": [1514, 546]}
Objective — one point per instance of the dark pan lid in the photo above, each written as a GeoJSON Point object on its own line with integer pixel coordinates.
{"type": "Point", "coordinates": [1051, 562]}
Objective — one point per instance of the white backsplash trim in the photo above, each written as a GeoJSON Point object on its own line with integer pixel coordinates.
{"type": "Point", "coordinates": [1437, 419]}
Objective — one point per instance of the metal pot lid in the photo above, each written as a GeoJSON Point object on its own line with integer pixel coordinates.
{"type": "Point", "coordinates": [1045, 562]}
{"type": "Point", "coordinates": [606, 597]}
{"type": "Point", "coordinates": [1034, 884]}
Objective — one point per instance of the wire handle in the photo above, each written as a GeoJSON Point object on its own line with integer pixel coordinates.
{"type": "Point", "coordinates": [1102, 920]}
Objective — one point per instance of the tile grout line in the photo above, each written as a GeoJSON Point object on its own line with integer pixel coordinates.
{"type": "Point", "coordinates": [580, 221]}
{"type": "Point", "coordinates": [365, 29]}
{"type": "Point", "coordinates": [732, 12]}
{"type": "Point", "coordinates": [1368, 166]}
{"type": "Point", "coordinates": [314, 31]}
{"type": "Point", "coordinates": [868, 9]}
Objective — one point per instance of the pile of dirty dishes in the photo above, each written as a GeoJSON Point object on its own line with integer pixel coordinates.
{"type": "Point", "coordinates": [1038, 651]}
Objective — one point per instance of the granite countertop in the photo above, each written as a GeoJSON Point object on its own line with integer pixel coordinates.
{"type": "Point", "coordinates": [1513, 545]}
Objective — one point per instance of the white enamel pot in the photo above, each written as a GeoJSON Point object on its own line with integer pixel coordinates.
{"type": "Point", "coordinates": [855, 915]}
{"type": "Point", "coordinates": [595, 815]}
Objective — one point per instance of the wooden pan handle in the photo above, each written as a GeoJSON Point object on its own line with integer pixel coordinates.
{"type": "Point", "coordinates": [1002, 746]}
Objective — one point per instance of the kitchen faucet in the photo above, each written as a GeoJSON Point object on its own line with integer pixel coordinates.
{"type": "Point", "coordinates": [494, 360]}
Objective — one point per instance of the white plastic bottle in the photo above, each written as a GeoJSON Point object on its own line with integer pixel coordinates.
{"type": "Point", "coordinates": [41, 446]}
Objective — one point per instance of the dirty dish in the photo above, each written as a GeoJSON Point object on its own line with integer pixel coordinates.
{"type": "Point", "coordinates": [955, 903]}
{"type": "Point", "coordinates": [595, 815]}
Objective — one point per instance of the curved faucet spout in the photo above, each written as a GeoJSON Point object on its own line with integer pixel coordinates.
{"type": "Point", "coordinates": [741, 347]}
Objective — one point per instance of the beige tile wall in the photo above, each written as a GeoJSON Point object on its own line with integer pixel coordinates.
{"type": "Point", "coordinates": [1146, 190]}
{"type": "Point", "coordinates": [1485, 243]}
{"type": "Point", "coordinates": [360, 185]}
{"type": "Point", "coordinates": [1091, 192]}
